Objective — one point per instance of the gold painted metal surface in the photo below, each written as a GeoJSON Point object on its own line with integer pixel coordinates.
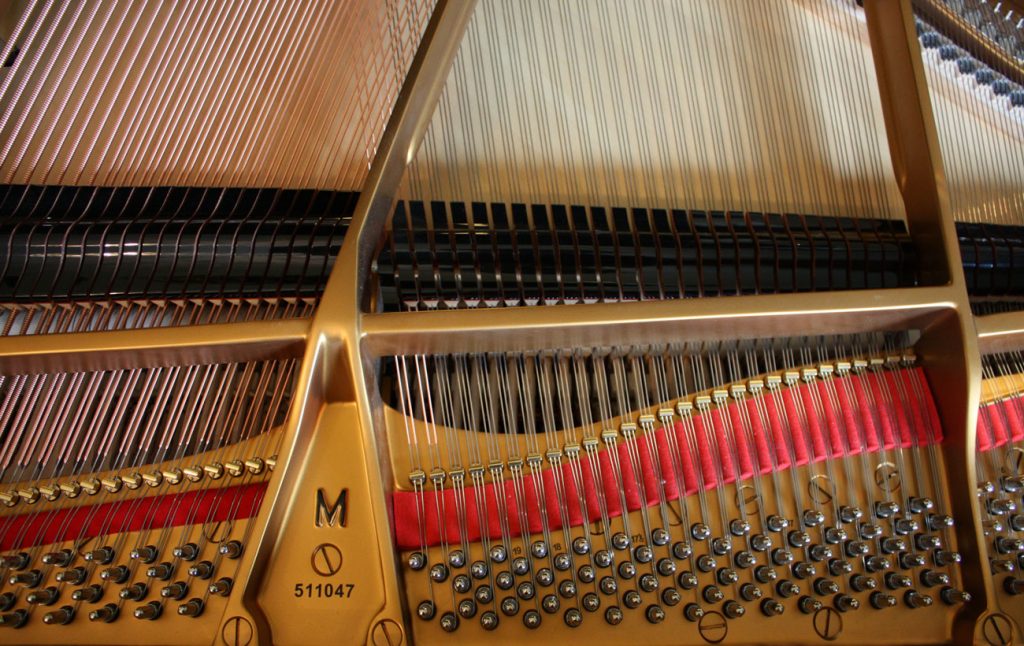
{"type": "Point", "coordinates": [335, 441]}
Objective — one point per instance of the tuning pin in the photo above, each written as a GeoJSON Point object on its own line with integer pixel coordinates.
{"type": "Point", "coordinates": [671, 597]}
{"type": "Point", "coordinates": [1002, 566]}
{"type": "Point", "coordinates": [744, 559]}
{"type": "Point", "coordinates": [894, 581]}
{"type": "Point", "coordinates": [932, 578]}
{"type": "Point", "coordinates": [426, 610]}
{"type": "Point", "coordinates": [845, 603]}
{"type": "Point", "coordinates": [687, 580]}
{"type": "Point", "coordinates": [906, 526]}
{"type": "Point", "coordinates": [772, 608]}
{"type": "Point", "coordinates": [750, 592]}
{"type": "Point", "coordinates": [693, 612]}
{"type": "Point", "coordinates": [467, 607]}
{"type": "Point", "coordinates": [612, 615]}
{"type": "Point", "coordinates": [926, 542]}
{"type": "Point", "coordinates": [1001, 506]}
{"type": "Point", "coordinates": [953, 597]}
{"type": "Point", "coordinates": [45, 597]}
{"type": "Point", "coordinates": [760, 542]}
{"type": "Point", "coordinates": [18, 561]}
{"type": "Point", "coordinates": [74, 576]}
{"type": "Point", "coordinates": [825, 587]}
{"type": "Point", "coordinates": [886, 509]}
{"type": "Point", "coordinates": [939, 522]}
{"type": "Point", "coordinates": [59, 617]}
{"type": "Point", "coordinates": [149, 611]}
{"type": "Point", "coordinates": [666, 567]}
{"type": "Point", "coordinates": [15, 619]}
{"type": "Point", "coordinates": [727, 576]}
{"type": "Point", "coordinates": [146, 554]}
{"type": "Point", "coordinates": [739, 527]}
{"type": "Point", "coordinates": [855, 549]}
{"type": "Point", "coordinates": [29, 578]}
{"type": "Point", "coordinates": [117, 574]}
{"type": "Point", "coordinates": [813, 518]}
{"type": "Point", "coordinates": [462, 584]}
{"type": "Point", "coordinates": [893, 544]}
{"type": "Point", "coordinates": [620, 541]}
{"type": "Point", "coordinates": [765, 574]}
{"type": "Point", "coordinates": [809, 605]}
{"type": "Point", "coordinates": [1013, 585]}
{"type": "Point", "coordinates": [1017, 522]}
{"type": "Point", "coordinates": [798, 539]}
{"type": "Point", "coordinates": [860, 583]}
{"type": "Point", "coordinates": [221, 587]}
{"type": "Point", "coordinates": [839, 567]}
{"type": "Point", "coordinates": [457, 558]}
{"type": "Point", "coordinates": [850, 514]}
{"type": "Point", "coordinates": [106, 614]}
{"type": "Point", "coordinates": [986, 488]}
{"type": "Point", "coordinates": [721, 545]}
{"type": "Point", "coordinates": [1011, 484]}
{"type": "Point", "coordinates": [920, 505]}
{"type": "Point", "coordinates": [699, 531]}
{"type": "Point", "coordinates": [655, 614]}
{"type": "Point", "coordinates": [706, 563]}
{"type": "Point", "coordinates": [733, 610]}
{"type": "Point", "coordinates": [100, 556]}
{"type": "Point", "coordinates": [88, 594]}
{"type": "Point", "coordinates": [544, 577]}
{"type": "Point", "coordinates": [161, 571]}
{"type": "Point", "coordinates": [201, 570]}
{"type": "Point", "coordinates": [881, 600]}
{"type": "Point", "coordinates": [836, 535]}
{"type": "Point", "coordinates": [782, 556]}
{"type": "Point", "coordinates": [944, 558]}
{"type": "Point", "coordinates": [649, 583]}
{"type": "Point", "coordinates": [7, 601]}
{"type": "Point", "coordinates": [60, 558]}
{"type": "Point", "coordinates": [804, 570]}
{"type": "Point", "coordinates": [191, 608]}
{"type": "Point", "coordinates": [186, 552]}
{"type": "Point", "coordinates": [231, 549]}
{"type": "Point", "coordinates": [787, 589]}
{"type": "Point", "coordinates": [712, 594]}
{"type": "Point", "coordinates": [915, 599]}
{"type": "Point", "coordinates": [627, 570]}
{"type": "Point", "coordinates": [134, 592]}
{"type": "Point", "coordinates": [876, 564]}
{"type": "Point", "coordinates": [498, 553]}
{"type": "Point", "coordinates": [869, 531]}
{"type": "Point", "coordinates": [489, 620]}
{"type": "Point", "coordinates": [911, 560]}
{"type": "Point", "coordinates": [1007, 545]}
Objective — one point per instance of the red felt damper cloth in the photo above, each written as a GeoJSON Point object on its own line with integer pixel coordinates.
{"type": "Point", "coordinates": [86, 521]}
{"type": "Point", "coordinates": [1000, 423]}
{"type": "Point", "coordinates": [816, 430]}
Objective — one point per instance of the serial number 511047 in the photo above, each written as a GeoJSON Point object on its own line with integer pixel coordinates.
{"type": "Point", "coordinates": [323, 590]}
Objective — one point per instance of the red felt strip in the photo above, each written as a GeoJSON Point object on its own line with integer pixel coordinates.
{"type": "Point", "coordinates": [1014, 419]}
{"type": "Point", "coordinates": [88, 521]}
{"type": "Point", "coordinates": [796, 425]}
{"type": "Point", "coordinates": [764, 451]}
{"type": "Point", "coordinates": [742, 444]}
{"type": "Point", "coordinates": [813, 423]}
{"type": "Point", "coordinates": [901, 424]}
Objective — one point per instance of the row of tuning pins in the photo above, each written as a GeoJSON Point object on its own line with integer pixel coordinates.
{"type": "Point", "coordinates": [162, 578]}
{"type": "Point", "coordinates": [817, 555]}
